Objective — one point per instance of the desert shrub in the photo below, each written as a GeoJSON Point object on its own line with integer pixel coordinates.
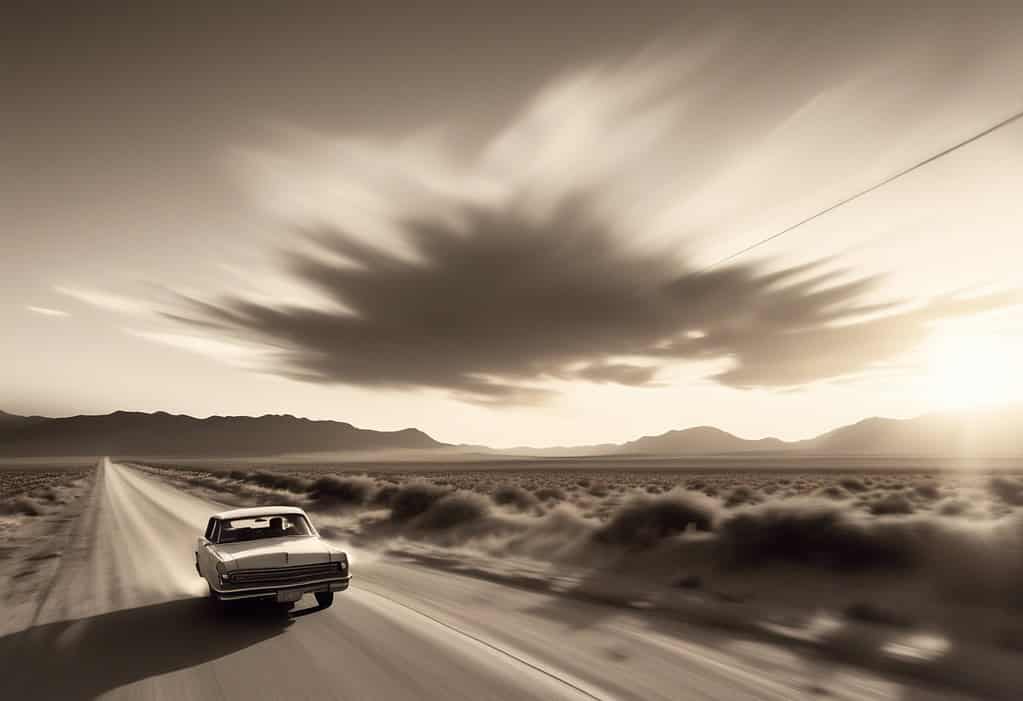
{"type": "Point", "coordinates": [1007, 489]}
{"type": "Point", "coordinates": [278, 480]}
{"type": "Point", "coordinates": [812, 532]}
{"type": "Point", "coordinates": [21, 506]}
{"type": "Point", "coordinates": [866, 612]}
{"type": "Point", "coordinates": [550, 494]}
{"type": "Point", "coordinates": [415, 498]}
{"type": "Point", "coordinates": [275, 497]}
{"type": "Point", "coordinates": [740, 495]}
{"type": "Point", "coordinates": [205, 481]}
{"type": "Point", "coordinates": [453, 510]}
{"type": "Point", "coordinates": [852, 484]}
{"type": "Point", "coordinates": [954, 507]}
{"type": "Point", "coordinates": [644, 521]}
{"type": "Point", "coordinates": [981, 562]}
{"type": "Point", "coordinates": [384, 495]}
{"type": "Point", "coordinates": [516, 497]}
{"type": "Point", "coordinates": [330, 490]}
{"type": "Point", "coordinates": [892, 504]}
{"type": "Point", "coordinates": [44, 494]}
{"type": "Point", "coordinates": [833, 492]}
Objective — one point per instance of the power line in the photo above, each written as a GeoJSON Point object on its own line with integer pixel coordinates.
{"type": "Point", "coordinates": [861, 193]}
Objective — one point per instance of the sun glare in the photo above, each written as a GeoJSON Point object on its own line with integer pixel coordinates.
{"type": "Point", "coordinates": [970, 370]}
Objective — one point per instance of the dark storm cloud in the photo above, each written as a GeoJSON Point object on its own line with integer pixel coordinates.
{"type": "Point", "coordinates": [496, 302]}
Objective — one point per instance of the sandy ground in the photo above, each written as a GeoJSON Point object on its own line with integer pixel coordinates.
{"type": "Point", "coordinates": [33, 549]}
{"type": "Point", "coordinates": [123, 615]}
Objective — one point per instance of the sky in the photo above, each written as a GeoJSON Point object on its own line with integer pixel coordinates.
{"type": "Point", "coordinates": [503, 226]}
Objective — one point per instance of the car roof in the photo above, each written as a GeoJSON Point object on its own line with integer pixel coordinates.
{"type": "Point", "coordinates": [259, 511]}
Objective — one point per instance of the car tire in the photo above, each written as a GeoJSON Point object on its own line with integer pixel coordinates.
{"type": "Point", "coordinates": [324, 598]}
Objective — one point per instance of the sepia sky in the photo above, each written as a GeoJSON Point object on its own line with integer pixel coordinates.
{"type": "Point", "coordinates": [501, 225]}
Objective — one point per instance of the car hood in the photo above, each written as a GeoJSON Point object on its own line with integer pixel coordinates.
{"type": "Point", "coordinates": [274, 552]}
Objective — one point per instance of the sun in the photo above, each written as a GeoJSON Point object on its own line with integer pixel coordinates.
{"type": "Point", "coordinates": [967, 370]}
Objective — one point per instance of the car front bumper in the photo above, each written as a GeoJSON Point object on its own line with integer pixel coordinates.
{"type": "Point", "coordinates": [310, 587]}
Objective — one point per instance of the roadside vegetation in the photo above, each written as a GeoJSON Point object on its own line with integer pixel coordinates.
{"type": "Point", "coordinates": [895, 549]}
{"type": "Point", "coordinates": [36, 492]}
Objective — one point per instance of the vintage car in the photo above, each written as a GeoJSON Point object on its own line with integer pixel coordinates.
{"type": "Point", "coordinates": [268, 552]}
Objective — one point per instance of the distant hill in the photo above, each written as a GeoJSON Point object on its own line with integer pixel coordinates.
{"type": "Point", "coordinates": [701, 439]}
{"type": "Point", "coordinates": [988, 433]}
{"type": "Point", "coordinates": [163, 434]}
{"type": "Point", "coordinates": [11, 421]}
{"type": "Point", "coordinates": [980, 433]}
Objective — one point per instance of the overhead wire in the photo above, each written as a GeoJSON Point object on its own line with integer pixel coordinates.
{"type": "Point", "coordinates": [877, 186]}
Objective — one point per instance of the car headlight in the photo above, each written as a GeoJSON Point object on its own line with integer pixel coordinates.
{"type": "Point", "coordinates": [222, 573]}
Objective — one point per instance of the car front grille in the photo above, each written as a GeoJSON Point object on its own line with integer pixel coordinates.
{"type": "Point", "coordinates": [275, 576]}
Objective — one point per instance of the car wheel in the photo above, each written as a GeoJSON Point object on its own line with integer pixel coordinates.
{"type": "Point", "coordinates": [324, 598]}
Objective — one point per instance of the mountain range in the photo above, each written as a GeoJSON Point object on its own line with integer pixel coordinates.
{"type": "Point", "coordinates": [989, 432]}
{"type": "Point", "coordinates": [163, 434]}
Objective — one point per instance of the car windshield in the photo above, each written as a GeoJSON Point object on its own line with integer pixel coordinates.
{"type": "Point", "coordinates": [237, 530]}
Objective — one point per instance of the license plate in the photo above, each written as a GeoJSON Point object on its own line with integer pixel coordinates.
{"type": "Point", "coordinates": [285, 597]}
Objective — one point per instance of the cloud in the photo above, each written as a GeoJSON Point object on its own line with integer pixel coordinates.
{"type": "Point", "coordinates": [211, 347]}
{"type": "Point", "coordinates": [46, 311]}
{"type": "Point", "coordinates": [797, 356]}
{"type": "Point", "coordinates": [499, 277]}
{"type": "Point", "coordinates": [105, 300]}
{"type": "Point", "coordinates": [495, 305]}
{"type": "Point", "coordinates": [617, 373]}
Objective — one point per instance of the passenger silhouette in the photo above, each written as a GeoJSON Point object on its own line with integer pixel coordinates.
{"type": "Point", "coordinates": [276, 526]}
